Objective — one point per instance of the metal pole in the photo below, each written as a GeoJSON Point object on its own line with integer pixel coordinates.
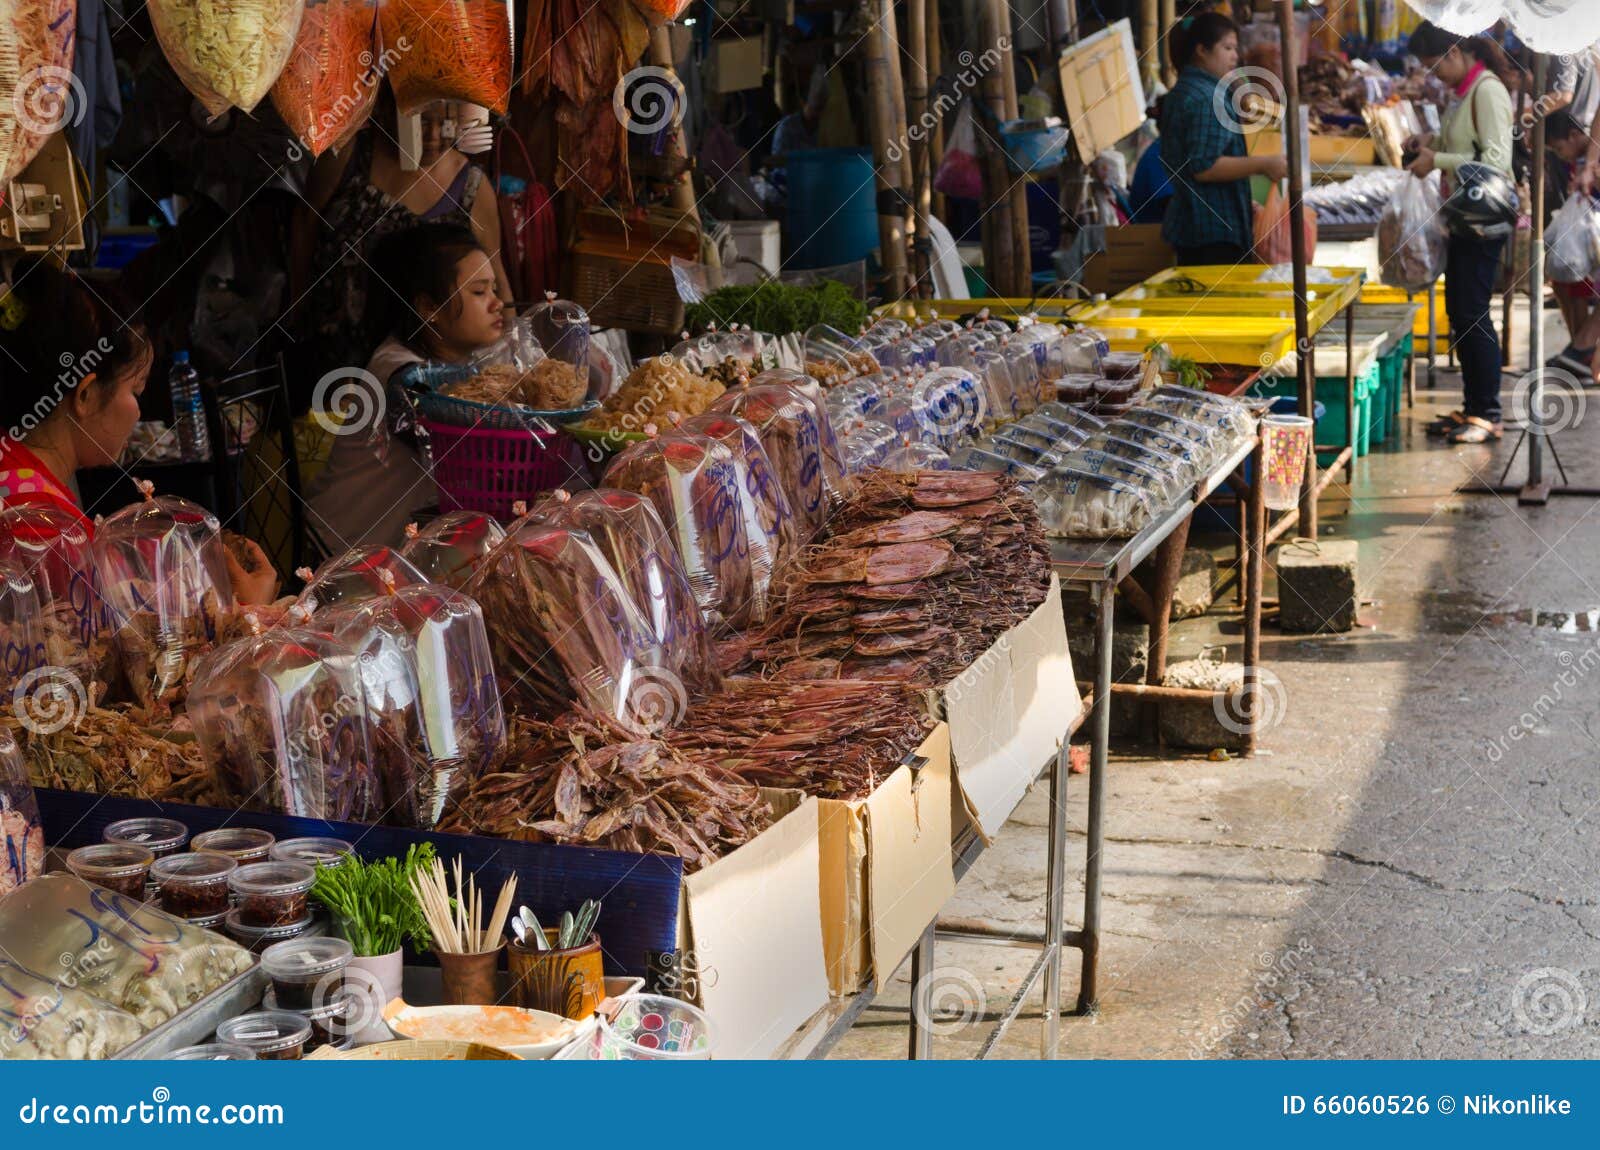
{"type": "Point", "coordinates": [1507, 305]}
{"type": "Point", "coordinates": [1099, 748]}
{"type": "Point", "coordinates": [886, 137]}
{"type": "Point", "coordinates": [919, 1041]}
{"type": "Point", "coordinates": [921, 173]}
{"type": "Point", "coordinates": [1537, 490]}
{"type": "Point", "coordinates": [1055, 905]}
{"type": "Point", "coordinates": [1255, 547]}
{"type": "Point", "coordinates": [1297, 216]}
{"type": "Point", "coordinates": [1350, 390]}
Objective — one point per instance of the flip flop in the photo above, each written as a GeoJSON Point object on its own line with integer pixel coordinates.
{"type": "Point", "coordinates": [1445, 424]}
{"type": "Point", "coordinates": [1476, 430]}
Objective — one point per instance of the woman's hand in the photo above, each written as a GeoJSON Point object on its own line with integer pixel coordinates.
{"type": "Point", "coordinates": [1423, 164]}
{"type": "Point", "coordinates": [1274, 166]}
{"type": "Point", "coordinates": [257, 585]}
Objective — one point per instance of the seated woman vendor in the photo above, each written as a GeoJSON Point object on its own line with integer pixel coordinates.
{"type": "Point", "coordinates": [436, 287]}
{"type": "Point", "coordinates": [72, 370]}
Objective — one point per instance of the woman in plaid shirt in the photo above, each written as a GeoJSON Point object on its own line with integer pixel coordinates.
{"type": "Point", "coordinates": [1209, 220]}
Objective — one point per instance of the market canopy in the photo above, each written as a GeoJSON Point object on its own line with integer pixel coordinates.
{"type": "Point", "coordinates": [1545, 25]}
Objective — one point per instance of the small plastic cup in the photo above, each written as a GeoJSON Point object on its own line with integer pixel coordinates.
{"type": "Point", "coordinates": [246, 844]}
{"type": "Point", "coordinates": [306, 972]}
{"type": "Point", "coordinates": [120, 867]}
{"type": "Point", "coordinates": [195, 885]}
{"type": "Point", "coordinates": [160, 837]}
{"type": "Point", "coordinates": [313, 852]}
{"type": "Point", "coordinates": [328, 1022]}
{"type": "Point", "coordinates": [212, 1052]}
{"type": "Point", "coordinates": [256, 939]}
{"type": "Point", "coordinates": [271, 893]}
{"type": "Point", "coordinates": [1076, 388]}
{"type": "Point", "coordinates": [270, 1034]}
{"type": "Point", "coordinates": [1122, 364]}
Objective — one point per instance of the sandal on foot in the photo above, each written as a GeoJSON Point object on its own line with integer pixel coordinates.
{"type": "Point", "coordinates": [1445, 424]}
{"type": "Point", "coordinates": [1476, 430]}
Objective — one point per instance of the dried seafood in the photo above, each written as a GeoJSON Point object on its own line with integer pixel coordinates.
{"type": "Point", "coordinates": [108, 752]}
{"type": "Point", "coordinates": [654, 388]}
{"type": "Point", "coordinates": [586, 780]}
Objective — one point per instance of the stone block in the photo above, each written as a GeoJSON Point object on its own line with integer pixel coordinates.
{"type": "Point", "coordinates": [1317, 586]}
{"type": "Point", "coordinates": [1203, 724]}
{"type": "Point", "coordinates": [1196, 578]}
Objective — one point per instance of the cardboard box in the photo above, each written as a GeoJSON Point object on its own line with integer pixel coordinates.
{"type": "Point", "coordinates": [753, 923]}
{"type": "Point", "coordinates": [1101, 88]}
{"type": "Point", "coordinates": [1133, 254]}
{"type": "Point", "coordinates": [886, 868]}
{"type": "Point", "coordinates": [1008, 713]}
{"type": "Point", "coordinates": [1324, 151]}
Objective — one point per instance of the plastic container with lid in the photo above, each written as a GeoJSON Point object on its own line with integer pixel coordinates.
{"type": "Point", "coordinates": [1114, 394]}
{"type": "Point", "coordinates": [258, 938]}
{"type": "Point", "coordinates": [21, 627]}
{"type": "Point", "coordinates": [164, 570]}
{"type": "Point", "coordinates": [307, 973]}
{"type": "Point", "coordinates": [122, 867]}
{"type": "Point", "coordinates": [51, 546]}
{"type": "Point", "coordinates": [359, 574]}
{"type": "Point", "coordinates": [242, 844]}
{"type": "Point", "coordinates": [1122, 364]}
{"type": "Point", "coordinates": [314, 852]}
{"type": "Point", "coordinates": [448, 549]}
{"type": "Point", "coordinates": [272, 893]}
{"type": "Point", "coordinates": [159, 836]}
{"type": "Point", "coordinates": [276, 1035]}
{"type": "Point", "coordinates": [1076, 387]}
{"type": "Point", "coordinates": [211, 1052]}
{"type": "Point", "coordinates": [1075, 503]}
{"type": "Point", "coordinates": [330, 1022]}
{"type": "Point", "coordinates": [194, 885]}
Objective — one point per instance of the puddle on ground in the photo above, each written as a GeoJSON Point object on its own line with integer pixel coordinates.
{"type": "Point", "coordinates": [1461, 611]}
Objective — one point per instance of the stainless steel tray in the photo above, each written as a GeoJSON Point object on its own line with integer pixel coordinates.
{"type": "Point", "coordinates": [192, 1026]}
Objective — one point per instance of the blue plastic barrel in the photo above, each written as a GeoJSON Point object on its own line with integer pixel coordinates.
{"type": "Point", "coordinates": [833, 207]}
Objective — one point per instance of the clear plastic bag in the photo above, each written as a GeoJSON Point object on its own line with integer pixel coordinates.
{"type": "Point", "coordinates": [1077, 504]}
{"type": "Point", "coordinates": [562, 329]}
{"type": "Point", "coordinates": [1232, 421]}
{"type": "Point", "coordinates": [21, 627]}
{"type": "Point", "coordinates": [460, 50]}
{"type": "Point", "coordinates": [21, 833]}
{"type": "Point", "coordinates": [360, 573]}
{"type": "Point", "coordinates": [629, 532]}
{"type": "Point", "coordinates": [1083, 349]}
{"type": "Point", "coordinates": [959, 172]}
{"type": "Point", "coordinates": [228, 53]}
{"type": "Point", "coordinates": [563, 626]}
{"type": "Point", "coordinates": [866, 444]}
{"type": "Point", "coordinates": [1206, 440]}
{"type": "Point", "coordinates": [164, 570]}
{"type": "Point", "coordinates": [766, 488]}
{"type": "Point", "coordinates": [42, 1020]}
{"type": "Point", "coordinates": [1190, 456]}
{"type": "Point", "coordinates": [702, 495]}
{"type": "Point", "coordinates": [51, 546]}
{"type": "Point", "coordinates": [330, 83]}
{"type": "Point", "coordinates": [917, 457]}
{"type": "Point", "coordinates": [1161, 485]}
{"type": "Point", "coordinates": [977, 457]}
{"type": "Point", "coordinates": [126, 954]}
{"type": "Point", "coordinates": [859, 397]}
{"type": "Point", "coordinates": [798, 434]}
{"type": "Point", "coordinates": [1066, 435]}
{"type": "Point", "coordinates": [432, 700]}
{"type": "Point", "coordinates": [1572, 241]}
{"type": "Point", "coordinates": [36, 49]}
{"type": "Point", "coordinates": [1412, 237]}
{"type": "Point", "coordinates": [1072, 416]}
{"type": "Point", "coordinates": [281, 720]}
{"type": "Point", "coordinates": [449, 549]}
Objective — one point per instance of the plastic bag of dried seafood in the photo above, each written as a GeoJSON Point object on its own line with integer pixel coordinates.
{"type": "Point", "coordinates": [978, 457]}
{"type": "Point", "coordinates": [1078, 504]}
{"type": "Point", "coordinates": [865, 444]}
{"type": "Point", "coordinates": [798, 434]}
{"type": "Point", "coordinates": [562, 625]}
{"type": "Point", "coordinates": [432, 699]}
{"type": "Point", "coordinates": [21, 627]}
{"type": "Point", "coordinates": [703, 496]}
{"type": "Point", "coordinates": [629, 532]}
{"type": "Point", "coordinates": [1208, 441]}
{"type": "Point", "coordinates": [36, 93]}
{"type": "Point", "coordinates": [766, 493]}
{"type": "Point", "coordinates": [917, 457]}
{"type": "Point", "coordinates": [360, 573]}
{"type": "Point", "coordinates": [1232, 419]}
{"type": "Point", "coordinates": [51, 546]}
{"type": "Point", "coordinates": [164, 570]}
{"type": "Point", "coordinates": [228, 53]}
{"type": "Point", "coordinates": [1162, 486]}
{"type": "Point", "coordinates": [449, 549]}
{"type": "Point", "coordinates": [1182, 464]}
{"type": "Point", "coordinates": [330, 83]}
{"type": "Point", "coordinates": [282, 722]}
{"type": "Point", "coordinates": [42, 1020]}
{"type": "Point", "coordinates": [1190, 457]}
{"type": "Point", "coordinates": [123, 952]}
{"type": "Point", "coordinates": [21, 833]}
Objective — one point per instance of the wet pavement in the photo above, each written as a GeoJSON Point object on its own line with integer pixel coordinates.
{"type": "Point", "coordinates": [1409, 867]}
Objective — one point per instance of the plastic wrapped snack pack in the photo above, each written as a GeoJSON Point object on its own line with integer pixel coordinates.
{"type": "Point", "coordinates": [449, 549]}
{"type": "Point", "coordinates": [330, 82]}
{"type": "Point", "coordinates": [51, 546]}
{"type": "Point", "coordinates": [1078, 504]}
{"type": "Point", "coordinates": [21, 832]}
{"type": "Point", "coordinates": [228, 53]}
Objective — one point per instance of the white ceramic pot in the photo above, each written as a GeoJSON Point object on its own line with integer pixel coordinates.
{"type": "Point", "coordinates": [378, 981]}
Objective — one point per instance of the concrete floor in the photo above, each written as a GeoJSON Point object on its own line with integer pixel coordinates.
{"type": "Point", "coordinates": [1396, 874]}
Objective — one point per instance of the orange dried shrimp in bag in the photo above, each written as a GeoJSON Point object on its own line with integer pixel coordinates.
{"type": "Point", "coordinates": [660, 12]}
{"type": "Point", "coordinates": [227, 52]}
{"type": "Point", "coordinates": [448, 50]}
{"type": "Point", "coordinates": [37, 90]}
{"type": "Point", "coordinates": [327, 89]}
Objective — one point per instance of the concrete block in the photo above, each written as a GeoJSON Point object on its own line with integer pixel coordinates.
{"type": "Point", "coordinates": [1317, 586]}
{"type": "Point", "coordinates": [1130, 662]}
{"type": "Point", "coordinates": [1201, 724]}
{"type": "Point", "coordinates": [1196, 578]}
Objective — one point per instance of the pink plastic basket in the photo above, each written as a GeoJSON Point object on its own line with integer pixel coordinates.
{"type": "Point", "coordinates": [486, 469]}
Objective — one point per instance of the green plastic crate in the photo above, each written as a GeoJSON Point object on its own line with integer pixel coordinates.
{"type": "Point", "coordinates": [1330, 393]}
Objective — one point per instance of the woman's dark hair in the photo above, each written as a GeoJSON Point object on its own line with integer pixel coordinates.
{"type": "Point", "coordinates": [1195, 32]}
{"type": "Point", "coordinates": [1430, 41]}
{"type": "Point", "coordinates": [56, 330]}
{"type": "Point", "coordinates": [409, 265]}
{"type": "Point", "coordinates": [1560, 124]}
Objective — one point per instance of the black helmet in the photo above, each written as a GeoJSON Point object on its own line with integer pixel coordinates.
{"type": "Point", "coordinates": [1483, 202]}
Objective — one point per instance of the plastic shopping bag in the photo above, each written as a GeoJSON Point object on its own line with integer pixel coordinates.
{"type": "Point", "coordinates": [1411, 235]}
{"type": "Point", "coordinates": [959, 173]}
{"type": "Point", "coordinates": [1572, 241]}
{"type": "Point", "coordinates": [1274, 239]}
{"type": "Point", "coordinates": [458, 50]}
{"type": "Point", "coordinates": [330, 84]}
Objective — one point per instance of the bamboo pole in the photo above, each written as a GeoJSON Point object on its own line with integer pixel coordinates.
{"type": "Point", "coordinates": [999, 253]}
{"type": "Point", "coordinates": [934, 61]}
{"type": "Point", "coordinates": [1169, 17]}
{"type": "Point", "coordinates": [1062, 25]}
{"type": "Point", "coordinates": [921, 173]}
{"type": "Point", "coordinates": [1297, 215]}
{"type": "Point", "coordinates": [682, 196]}
{"type": "Point", "coordinates": [1011, 227]}
{"type": "Point", "coordinates": [1150, 42]}
{"type": "Point", "coordinates": [887, 145]}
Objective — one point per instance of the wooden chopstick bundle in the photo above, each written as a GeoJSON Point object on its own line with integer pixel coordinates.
{"type": "Point", "coordinates": [456, 924]}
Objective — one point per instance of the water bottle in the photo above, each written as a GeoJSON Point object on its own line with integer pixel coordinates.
{"type": "Point", "coordinates": [188, 413]}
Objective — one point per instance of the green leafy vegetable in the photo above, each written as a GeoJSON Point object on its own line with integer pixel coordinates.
{"type": "Point", "coordinates": [1188, 371]}
{"type": "Point", "coordinates": [779, 308]}
{"type": "Point", "coordinates": [373, 904]}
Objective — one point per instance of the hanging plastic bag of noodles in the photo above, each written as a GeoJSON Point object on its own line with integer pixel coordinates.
{"type": "Point", "coordinates": [227, 52]}
{"type": "Point", "coordinates": [659, 12]}
{"type": "Point", "coordinates": [327, 89]}
{"type": "Point", "coordinates": [37, 91]}
{"type": "Point", "coordinates": [629, 532]}
{"type": "Point", "coordinates": [448, 50]}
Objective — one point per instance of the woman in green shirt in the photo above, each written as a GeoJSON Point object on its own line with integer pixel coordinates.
{"type": "Point", "coordinates": [1477, 126]}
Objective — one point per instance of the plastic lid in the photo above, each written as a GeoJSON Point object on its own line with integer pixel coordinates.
{"type": "Point", "coordinates": [340, 1005]}
{"type": "Point", "coordinates": [199, 869]}
{"type": "Point", "coordinates": [212, 1052]}
{"type": "Point", "coordinates": [152, 833]}
{"type": "Point", "coordinates": [303, 959]}
{"type": "Point", "coordinates": [233, 840]}
{"type": "Point", "coordinates": [282, 878]}
{"type": "Point", "coordinates": [313, 851]}
{"type": "Point", "coordinates": [266, 1031]}
{"type": "Point", "coordinates": [111, 860]}
{"type": "Point", "coordinates": [180, 357]}
{"type": "Point", "coordinates": [251, 935]}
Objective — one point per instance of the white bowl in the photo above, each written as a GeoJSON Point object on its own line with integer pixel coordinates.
{"type": "Point", "coordinates": [526, 1033]}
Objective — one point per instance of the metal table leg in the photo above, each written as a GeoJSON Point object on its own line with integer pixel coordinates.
{"type": "Point", "coordinates": [920, 1038]}
{"type": "Point", "coordinates": [1350, 390]}
{"type": "Point", "coordinates": [1088, 992]}
{"type": "Point", "coordinates": [1055, 905]}
{"type": "Point", "coordinates": [1255, 547]}
{"type": "Point", "coordinates": [1433, 333]}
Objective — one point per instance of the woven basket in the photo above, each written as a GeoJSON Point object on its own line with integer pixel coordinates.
{"type": "Point", "coordinates": [488, 469]}
{"type": "Point", "coordinates": [418, 1050]}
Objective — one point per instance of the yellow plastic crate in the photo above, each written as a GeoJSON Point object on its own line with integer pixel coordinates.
{"type": "Point", "coordinates": [1319, 314]}
{"type": "Point", "coordinates": [1045, 310]}
{"type": "Point", "coordinates": [1257, 342]}
{"type": "Point", "coordinates": [1245, 279]}
{"type": "Point", "coordinates": [1383, 293]}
